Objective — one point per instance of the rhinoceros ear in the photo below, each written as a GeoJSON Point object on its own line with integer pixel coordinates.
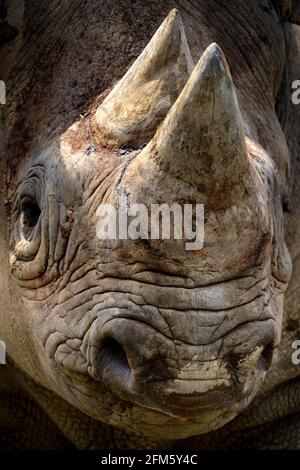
{"type": "Point", "coordinates": [132, 111]}
{"type": "Point", "coordinates": [202, 141]}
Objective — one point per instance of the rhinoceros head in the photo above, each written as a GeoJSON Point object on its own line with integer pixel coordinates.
{"type": "Point", "coordinates": [144, 332]}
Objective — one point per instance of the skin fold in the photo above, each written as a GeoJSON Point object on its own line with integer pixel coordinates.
{"type": "Point", "coordinates": [118, 344]}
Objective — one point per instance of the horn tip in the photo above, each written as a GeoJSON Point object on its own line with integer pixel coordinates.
{"type": "Point", "coordinates": [214, 59]}
{"type": "Point", "coordinates": [173, 19]}
{"type": "Point", "coordinates": [174, 13]}
{"type": "Point", "coordinates": [214, 47]}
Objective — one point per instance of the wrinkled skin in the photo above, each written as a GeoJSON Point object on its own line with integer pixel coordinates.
{"type": "Point", "coordinates": [199, 329]}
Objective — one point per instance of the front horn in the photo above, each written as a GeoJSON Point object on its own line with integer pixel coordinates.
{"type": "Point", "coordinates": [130, 114]}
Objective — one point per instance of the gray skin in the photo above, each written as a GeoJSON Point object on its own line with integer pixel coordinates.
{"type": "Point", "coordinates": [194, 332]}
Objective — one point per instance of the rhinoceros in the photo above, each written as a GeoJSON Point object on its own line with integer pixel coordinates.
{"type": "Point", "coordinates": [141, 343]}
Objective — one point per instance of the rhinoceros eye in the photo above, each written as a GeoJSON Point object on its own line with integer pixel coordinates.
{"type": "Point", "coordinates": [286, 204]}
{"type": "Point", "coordinates": [30, 212]}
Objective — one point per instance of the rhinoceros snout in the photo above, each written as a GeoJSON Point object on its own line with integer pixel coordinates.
{"type": "Point", "coordinates": [143, 365]}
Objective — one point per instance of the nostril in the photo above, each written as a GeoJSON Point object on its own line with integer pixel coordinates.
{"type": "Point", "coordinates": [267, 356]}
{"type": "Point", "coordinates": [112, 351]}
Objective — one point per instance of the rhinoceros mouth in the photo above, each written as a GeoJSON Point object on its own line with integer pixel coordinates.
{"type": "Point", "coordinates": [142, 365]}
{"type": "Point", "coordinates": [144, 347]}
{"type": "Point", "coordinates": [184, 400]}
